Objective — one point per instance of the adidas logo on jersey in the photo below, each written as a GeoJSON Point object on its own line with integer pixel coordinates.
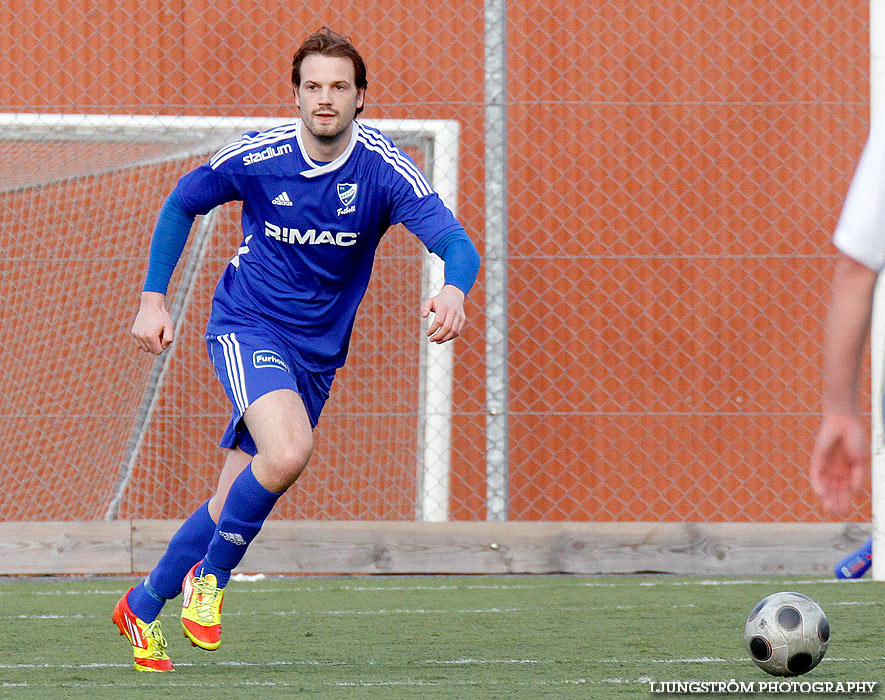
{"type": "Point", "coordinates": [282, 200]}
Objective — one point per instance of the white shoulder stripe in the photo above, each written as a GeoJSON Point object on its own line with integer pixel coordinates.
{"type": "Point", "coordinates": [416, 187]}
{"type": "Point", "coordinates": [418, 183]}
{"type": "Point", "coordinates": [236, 144]}
{"type": "Point", "coordinates": [378, 139]}
{"type": "Point", "coordinates": [253, 138]}
{"type": "Point", "coordinates": [249, 138]}
{"type": "Point", "coordinates": [247, 143]}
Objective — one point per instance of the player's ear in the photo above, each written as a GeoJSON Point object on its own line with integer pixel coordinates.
{"type": "Point", "coordinates": [297, 99]}
{"type": "Point", "coordinates": [360, 97]}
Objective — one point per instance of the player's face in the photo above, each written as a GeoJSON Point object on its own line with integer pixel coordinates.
{"type": "Point", "coordinates": [328, 97]}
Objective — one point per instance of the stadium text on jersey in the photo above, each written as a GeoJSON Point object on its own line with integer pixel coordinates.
{"type": "Point", "coordinates": [266, 154]}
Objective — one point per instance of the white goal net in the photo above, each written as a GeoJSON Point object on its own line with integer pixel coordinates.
{"type": "Point", "coordinates": [105, 432]}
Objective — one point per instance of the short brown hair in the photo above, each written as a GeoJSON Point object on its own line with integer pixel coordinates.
{"type": "Point", "coordinates": [328, 43]}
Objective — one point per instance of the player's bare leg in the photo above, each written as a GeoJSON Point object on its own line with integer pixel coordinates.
{"type": "Point", "coordinates": [280, 427]}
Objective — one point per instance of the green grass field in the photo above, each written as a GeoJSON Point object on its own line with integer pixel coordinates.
{"type": "Point", "coordinates": [458, 637]}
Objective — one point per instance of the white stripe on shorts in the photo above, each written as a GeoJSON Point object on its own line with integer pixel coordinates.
{"type": "Point", "coordinates": [235, 374]}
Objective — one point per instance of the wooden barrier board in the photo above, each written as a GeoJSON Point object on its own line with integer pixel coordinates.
{"type": "Point", "coordinates": [693, 549]}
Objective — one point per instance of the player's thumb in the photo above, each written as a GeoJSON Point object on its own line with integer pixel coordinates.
{"type": "Point", "coordinates": [426, 308]}
{"type": "Point", "coordinates": [167, 335]}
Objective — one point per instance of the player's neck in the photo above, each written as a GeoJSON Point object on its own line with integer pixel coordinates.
{"type": "Point", "coordinates": [325, 150]}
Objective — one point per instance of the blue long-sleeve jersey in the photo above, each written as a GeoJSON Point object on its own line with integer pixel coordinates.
{"type": "Point", "coordinates": [310, 231]}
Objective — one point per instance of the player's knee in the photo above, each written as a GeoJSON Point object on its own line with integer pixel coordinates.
{"type": "Point", "coordinates": [283, 463]}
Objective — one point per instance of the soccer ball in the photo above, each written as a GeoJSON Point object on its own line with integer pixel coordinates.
{"type": "Point", "coordinates": [787, 634]}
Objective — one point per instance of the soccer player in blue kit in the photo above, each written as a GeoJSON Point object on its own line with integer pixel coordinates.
{"type": "Point", "coordinates": [317, 194]}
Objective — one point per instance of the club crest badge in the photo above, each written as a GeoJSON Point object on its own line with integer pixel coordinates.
{"type": "Point", "coordinates": [346, 192]}
{"type": "Point", "coordinates": [347, 195]}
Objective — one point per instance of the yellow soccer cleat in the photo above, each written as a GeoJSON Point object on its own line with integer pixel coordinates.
{"type": "Point", "coordinates": [147, 640]}
{"type": "Point", "coordinates": [201, 609]}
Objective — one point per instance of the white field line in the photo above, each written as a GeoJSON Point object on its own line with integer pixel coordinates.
{"type": "Point", "coordinates": [462, 662]}
{"type": "Point", "coordinates": [332, 588]}
{"type": "Point", "coordinates": [432, 611]}
{"type": "Point", "coordinates": [395, 611]}
{"type": "Point", "coordinates": [566, 583]}
{"type": "Point", "coordinates": [465, 683]}
{"type": "Point", "coordinates": [754, 582]}
{"type": "Point", "coordinates": [344, 684]}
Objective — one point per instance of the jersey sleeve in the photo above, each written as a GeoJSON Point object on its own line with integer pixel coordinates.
{"type": "Point", "coordinates": [860, 232]}
{"type": "Point", "coordinates": [415, 205]}
{"type": "Point", "coordinates": [170, 236]}
{"type": "Point", "coordinates": [422, 211]}
{"type": "Point", "coordinates": [460, 257]}
{"type": "Point", "coordinates": [205, 188]}
{"type": "Point", "coordinates": [197, 192]}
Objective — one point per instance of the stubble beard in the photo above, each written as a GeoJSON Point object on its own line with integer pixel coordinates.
{"type": "Point", "coordinates": [328, 134]}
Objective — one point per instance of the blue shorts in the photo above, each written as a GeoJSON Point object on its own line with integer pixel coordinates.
{"type": "Point", "coordinates": [250, 363]}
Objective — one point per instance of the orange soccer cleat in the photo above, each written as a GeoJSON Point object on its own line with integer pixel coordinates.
{"type": "Point", "coordinates": [147, 640]}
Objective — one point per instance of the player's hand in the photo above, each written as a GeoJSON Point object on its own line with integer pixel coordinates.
{"type": "Point", "coordinates": [153, 329]}
{"type": "Point", "coordinates": [448, 314]}
{"type": "Point", "coordinates": [840, 461]}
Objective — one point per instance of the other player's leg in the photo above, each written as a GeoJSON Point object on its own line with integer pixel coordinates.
{"type": "Point", "coordinates": [856, 564]}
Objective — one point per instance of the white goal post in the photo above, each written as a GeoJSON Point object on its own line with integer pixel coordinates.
{"type": "Point", "coordinates": [196, 135]}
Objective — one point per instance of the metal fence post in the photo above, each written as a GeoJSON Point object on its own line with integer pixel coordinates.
{"type": "Point", "coordinates": [496, 261]}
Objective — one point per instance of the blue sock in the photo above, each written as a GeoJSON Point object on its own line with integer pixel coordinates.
{"type": "Point", "coordinates": [245, 509]}
{"type": "Point", "coordinates": [856, 564]}
{"type": "Point", "coordinates": [185, 549]}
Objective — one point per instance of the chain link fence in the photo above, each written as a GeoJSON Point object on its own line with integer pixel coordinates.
{"type": "Point", "coordinates": [674, 172]}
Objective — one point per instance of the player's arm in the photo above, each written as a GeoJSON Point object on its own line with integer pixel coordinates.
{"type": "Point", "coordinates": [153, 329]}
{"type": "Point", "coordinates": [428, 218]}
{"type": "Point", "coordinates": [197, 192]}
{"type": "Point", "coordinates": [841, 455]}
{"type": "Point", "coordinates": [461, 268]}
